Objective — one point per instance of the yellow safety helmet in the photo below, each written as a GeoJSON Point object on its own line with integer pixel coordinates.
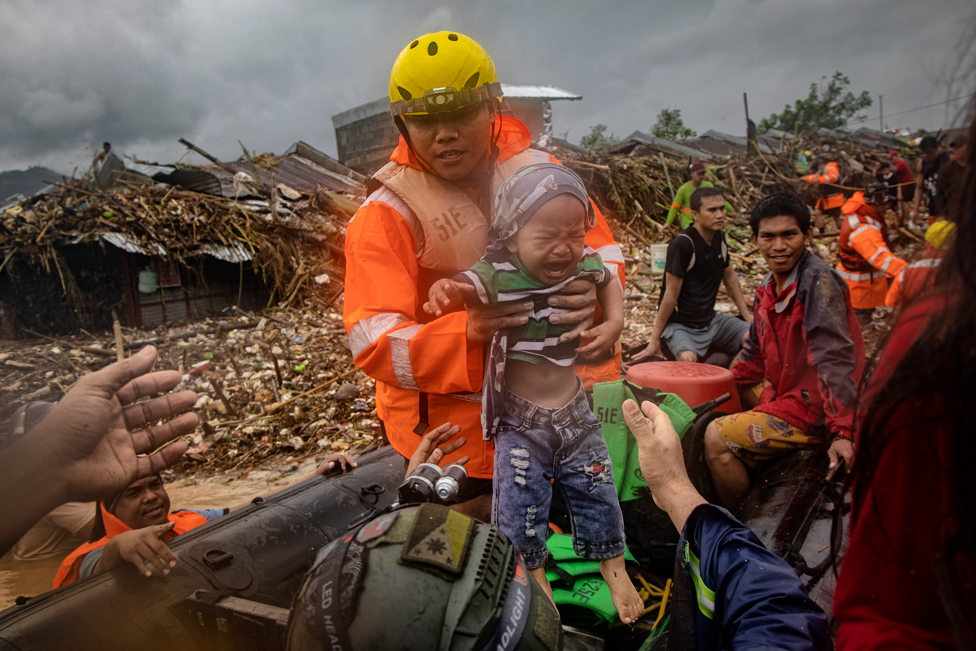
{"type": "Point", "coordinates": [441, 72]}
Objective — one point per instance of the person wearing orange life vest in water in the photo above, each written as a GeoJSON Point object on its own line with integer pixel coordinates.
{"type": "Point", "coordinates": [133, 526]}
{"type": "Point", "coordinates": [865, 261]}
{"type": "Point", "coordinates": [825, 174]}
{"type": "Point", "coordinates": [426, 217]}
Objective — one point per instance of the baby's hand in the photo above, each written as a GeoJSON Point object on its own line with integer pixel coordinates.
{"type": "Point", "coordinates": [446, 295]}
{"type": "Point", "coordinates": [604, 336]}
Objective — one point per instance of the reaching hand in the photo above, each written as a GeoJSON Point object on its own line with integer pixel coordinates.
{"type": "Point", "coordinates": [429, 451]}
{"type": "Point", "coordinates": [142, 548]}
{"type": "Point", "coordinates": [602, 347]}
{"type": "Point", "coordinates": [651, 350]}
{"type": "Point", "coordinates": [87, 439]}
{"type": "Point", "coordinates": [579, 297]}
{"type": "Point", "coordinates": [330, 462]}
{"type": "Point", "coordinates": [662, 461]}
{"type": "Point", "coordinates": [446, 295]}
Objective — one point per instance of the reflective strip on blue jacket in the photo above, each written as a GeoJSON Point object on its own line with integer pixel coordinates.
{"type": "Point", "coordinates": [748, 598]}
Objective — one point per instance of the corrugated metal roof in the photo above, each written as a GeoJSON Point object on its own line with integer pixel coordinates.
{"type": "Point", "coordinates": [667, 146]}
{"type": "Point", "coordinates": [234, 254]}
{"type": "Point", "coordinates": [736, 140]}
{"type": "Point", "coordinates": [294, 171]}
{"type": "Point", "coordinates": [130, 244]}
{"type": "Point", "coordinates": [537, 92]}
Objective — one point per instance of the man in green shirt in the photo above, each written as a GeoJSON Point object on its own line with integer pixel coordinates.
{"type": "Point", "coordinates": [682, 200]}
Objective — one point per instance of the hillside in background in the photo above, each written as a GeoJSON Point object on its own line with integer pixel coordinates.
{"type": "Point", "coordinates": [25, 182]}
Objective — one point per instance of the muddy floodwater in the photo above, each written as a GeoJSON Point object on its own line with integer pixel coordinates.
{"type": "Point", "coordinates": [31, 578]}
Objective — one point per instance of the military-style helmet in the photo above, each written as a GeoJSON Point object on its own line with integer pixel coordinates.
{"type": "Point", "coordinates": [441, 72]}
{"type": "Point", "coordinates": [422, 578]}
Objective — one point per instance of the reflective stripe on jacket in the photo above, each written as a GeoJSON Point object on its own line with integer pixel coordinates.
{"type": "Point", "coordinates": [914, 280]}
{"type": "Point", "coordinates": [68, 572]}
{"type": "Point", "coordinates": [865, 259]}
{"type": "Point", "coordinates": [830, 196]}
{"type": "Point", "coordinates": [394, 341]}
{"type": "Point", "coordinates": [744, 596]}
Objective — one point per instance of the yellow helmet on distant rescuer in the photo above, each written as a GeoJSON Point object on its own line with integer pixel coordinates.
{"type": "Point", "coordinates": [441, 72]}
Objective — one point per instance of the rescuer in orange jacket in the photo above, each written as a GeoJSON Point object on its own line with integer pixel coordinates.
{"type": "Point", "coordinates": [866, 262]}
{"type": "Point", "coordinates": [831, 197]}
{"type": "Point", "coordinates": [916, 278]}
{"type": "Point", "coordinates": [426, 217]}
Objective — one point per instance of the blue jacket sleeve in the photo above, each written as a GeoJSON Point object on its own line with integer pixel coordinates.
{"type": "Point", "coordinates": [748, 598]}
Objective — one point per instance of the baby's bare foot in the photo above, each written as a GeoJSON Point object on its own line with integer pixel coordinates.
{"type": "Point", "coordinates": [625, 598]}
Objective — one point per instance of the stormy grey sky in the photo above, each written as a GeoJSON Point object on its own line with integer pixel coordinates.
{"type": "Point", "coordinates": [142, 74]}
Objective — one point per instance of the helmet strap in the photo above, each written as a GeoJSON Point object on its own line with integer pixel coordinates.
{"type": "Point", "coordinates": [402, 127]}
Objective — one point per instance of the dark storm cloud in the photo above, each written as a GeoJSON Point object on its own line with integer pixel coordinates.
{"type": "Point", "coordinates": [143, 74]}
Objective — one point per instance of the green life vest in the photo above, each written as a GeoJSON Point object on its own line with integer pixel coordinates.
{"type": "Point", "coordinates": [576, 581]}
{"type": "Point", "coordinates": [608, 398]}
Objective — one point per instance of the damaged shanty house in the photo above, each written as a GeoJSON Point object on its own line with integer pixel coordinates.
{"type": "Point", "coordinates": [154, 244]}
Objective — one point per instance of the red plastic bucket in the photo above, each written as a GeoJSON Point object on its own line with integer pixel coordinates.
{"type": "Point", "coordinates": [693, 383]}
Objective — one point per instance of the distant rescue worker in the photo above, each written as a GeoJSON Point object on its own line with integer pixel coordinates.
{"type": "Point", "coordinates": [826, 174]}
{"type": "Point", "coordinates": [927, 174]}
{"type": "Point", "coordinates": [426, 217]}
{"type": "Point", "coordinates": [865, 260]}
{"type": "Point", "coordinates": [906, 185]}
{"type": "Point", "coordinates": [916, 278]}
{"type": "Point", "coordinates": [802, 360]}
{"type": "Point", "coordinates": [682, 198]}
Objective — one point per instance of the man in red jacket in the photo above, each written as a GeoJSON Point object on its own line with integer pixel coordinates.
{"type": "Point", "coordinates": [804, 356]}
{"type": "Point", "coordinates": [426, 218]}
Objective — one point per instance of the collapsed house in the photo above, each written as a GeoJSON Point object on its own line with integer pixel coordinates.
{"type": "Point", "coordinates": [152, 243]}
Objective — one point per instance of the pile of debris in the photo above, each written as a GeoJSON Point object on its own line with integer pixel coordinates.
{"type": "Point", "coordinates": [276, 385]}
{"type": "Point", "coordinates": [634, 183]}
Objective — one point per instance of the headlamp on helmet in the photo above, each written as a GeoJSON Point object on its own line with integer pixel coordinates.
{"type": "Point", "coordinates": [444, 100]}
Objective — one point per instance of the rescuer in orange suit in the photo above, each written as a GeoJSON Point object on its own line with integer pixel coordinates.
{"type": "Point", "coordinates": [918, 277]}
{"type": "Point", "coordinates": [425, 218]}
{"type": "Point", "coordinates": [866, 263]}
{"type": "Point", "coordinates": [825, 174]}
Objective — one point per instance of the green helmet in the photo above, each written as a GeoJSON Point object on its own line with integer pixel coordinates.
{"type": "Point", "coordinates": [422, 578]}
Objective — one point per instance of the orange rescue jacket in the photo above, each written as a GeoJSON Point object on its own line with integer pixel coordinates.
{"type": "Point", "coordinates": [866, 262]}
{"type": "Point", "coordinates": [914, 279]}
{"type": "Point", "coordinates": [413, 229]}
{"type": "Point", "coordinates": [68, 572]}
{"type": "Point", "coordinates": [830, 196]}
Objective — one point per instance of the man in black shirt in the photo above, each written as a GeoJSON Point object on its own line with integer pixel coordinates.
{"type": "Point", "coordinates": [698, 260]}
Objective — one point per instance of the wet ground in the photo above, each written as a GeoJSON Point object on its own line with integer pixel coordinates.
{"type": "Point", "coordinates": [31, 578]}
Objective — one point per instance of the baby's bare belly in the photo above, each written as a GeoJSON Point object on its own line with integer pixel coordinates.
{"type": "Point", "coordinates": [545, 384]}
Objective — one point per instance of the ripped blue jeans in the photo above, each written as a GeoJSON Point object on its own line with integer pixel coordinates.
{"type": "Point", "coordinates": [535, 445]}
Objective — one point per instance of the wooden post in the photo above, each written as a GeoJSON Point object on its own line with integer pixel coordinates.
{"type": "Point", "coordinates": [119, 343]}
{"type": "Point", "coordinates": [752, 146]}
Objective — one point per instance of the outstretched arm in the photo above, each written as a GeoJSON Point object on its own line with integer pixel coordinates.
{"type": "Point", "coordinates": [671, 294]}
{"type": "Point", "coordinates": [607, 333]}
{"type": "Point", "coordinates": [90, 445]}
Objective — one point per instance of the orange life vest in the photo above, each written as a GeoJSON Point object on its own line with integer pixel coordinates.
{"type": "Point", "coordinates": [68, 572]}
